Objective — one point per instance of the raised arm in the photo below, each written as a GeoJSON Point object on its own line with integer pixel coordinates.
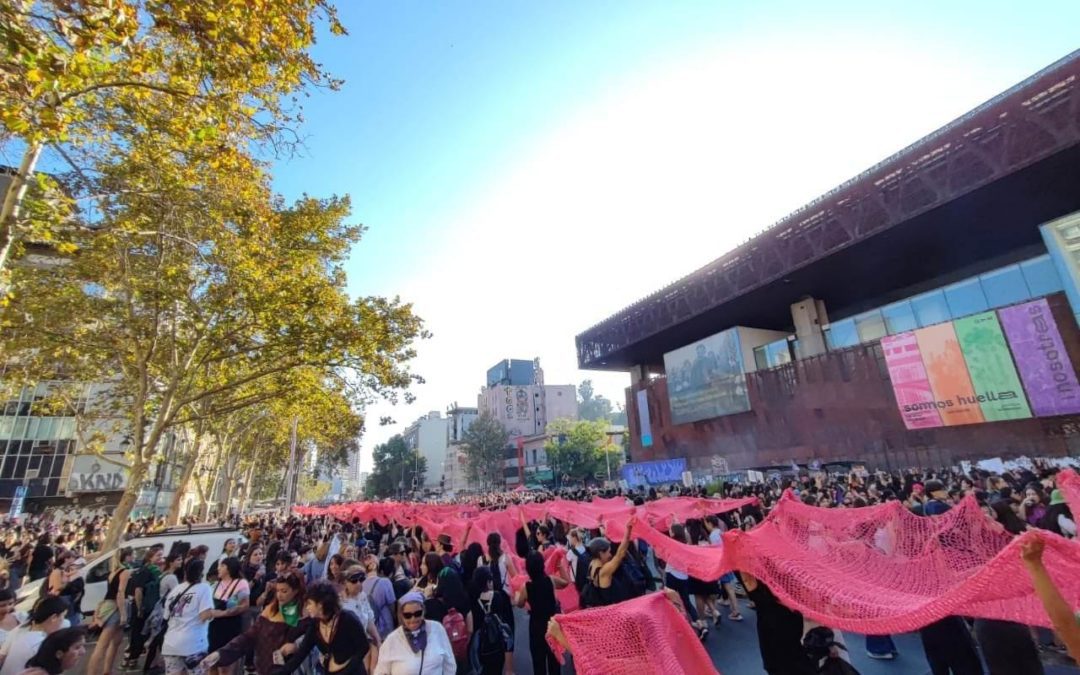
{"type": "Point", "coordinates": [1061, 615]}
{"type": "Point", "coordinates": [612, 565]}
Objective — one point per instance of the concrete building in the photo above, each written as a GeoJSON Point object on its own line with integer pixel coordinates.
{"type": "Point", "coordinates": [430, 436]}
{"type": "Point", "coordinates": [922, 313]}
{"type": "Point", "coordinates": [455, 472]}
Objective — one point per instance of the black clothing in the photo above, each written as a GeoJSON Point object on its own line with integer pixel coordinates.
{"type": "Point", "coordinates": [1008, 648]}
{"type": "Point", "coordinates": [223, 629]}
{"type": "Point", "coordinates": [618, 591]}
{"type": "Point", "coordinates": [347, 647]}
{"type": "Point", "coordinates": [451, 591]}
{"type": "Point", "coordinates": [112, 590]}
{"type": "Point", "coordinates": [39, 562]}
{"type": "Point", "coordinates": [542, 606]}
{"type": "Point", "coordinates": [949, 648]}
{"type": "Point", "coordinates": [779, 632]}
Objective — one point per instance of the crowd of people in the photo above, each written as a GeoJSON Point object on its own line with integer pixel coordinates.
{"type": "Point", "coordinates": [315, 594]}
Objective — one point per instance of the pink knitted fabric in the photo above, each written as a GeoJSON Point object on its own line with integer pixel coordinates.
{"type": "Point", "coordinates": [646, 635]}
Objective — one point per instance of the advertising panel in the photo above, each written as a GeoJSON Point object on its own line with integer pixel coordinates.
{"type": "Point", "coordinates": [954, 395]}
{"type": "Point", "coordinates": [914, 396]}
{"type": "Point", "coordinates": [1062, 238]}
{"type": "Point", "coordinates": [997, 385]}
{"type": "Point", "coordinates": [706, 379]}
{"type": "Point", "coordinates": [654, 473]}
{"type": "Point", "coordinates": [1045, 368]}
{"type": "Point", "coordinates": [643, 418]}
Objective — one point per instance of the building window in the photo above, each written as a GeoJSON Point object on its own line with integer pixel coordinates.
{"type": "Point", "coordinates": [1041, 276]}
{"type": "Point", "coordinates": [899, 317]}
{"type": "Point", "coordinates": [930, 308]}
{"type": "Point", "coordinates": [870, 326]}
{"type": "Point", "coordinates": [842, 334]}
{"type": "Point", "coordinates": [966, 298]}
{"type": "Point", "coordinates": [1005, 286]}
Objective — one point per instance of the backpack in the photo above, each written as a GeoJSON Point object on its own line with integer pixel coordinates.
{"type": "Point", "coordinates": [589, 595]}
{"type": "Point", "coordinates": [458, 633]}
{"type": "Point", "coordinates": [495, 635]}
{"type": "Point", "coordinates": [635, 577]}
{"type": "Point", "coordinates": [401, 587]}
{"type": "Point", "coordinates": [581, 570]}
{"type": "Point", "coordinates": [818, 644]}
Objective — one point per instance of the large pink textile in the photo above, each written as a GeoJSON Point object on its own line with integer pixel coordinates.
{"type": "Point", "coordinates": [879, 569]}
{"type": "Point", "coordinates": [646, 635]}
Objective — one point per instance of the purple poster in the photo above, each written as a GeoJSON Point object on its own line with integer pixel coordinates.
{"type": "Point", "coordinates": [1045, 368]}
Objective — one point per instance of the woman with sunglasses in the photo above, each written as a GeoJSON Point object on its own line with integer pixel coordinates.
{"type": "Point", "coordinates": [355, 600]}
{"type": "Point", "coordinates": [338, 634]}
{"type": "Point", "coordinates": [417, 647]}
{"type": "Point", "coordinates": [278, 624]}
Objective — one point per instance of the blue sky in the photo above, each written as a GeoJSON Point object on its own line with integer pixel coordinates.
{"type": "Point", "coordinates": [527, 169]}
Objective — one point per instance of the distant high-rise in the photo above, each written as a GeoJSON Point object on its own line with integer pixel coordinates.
{"type": "Point", "coordinates": [515, 373]}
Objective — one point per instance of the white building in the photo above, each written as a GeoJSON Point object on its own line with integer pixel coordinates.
{"type": "Point", "coordinates": [429, 435]}
{"type": "Point", "coordinates": [526, 410]}
{"type": "Point", "coordinates": [455, 469]}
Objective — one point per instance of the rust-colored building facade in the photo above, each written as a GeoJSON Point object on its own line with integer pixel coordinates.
{"type": "Point", "coordinates": [840, 406]}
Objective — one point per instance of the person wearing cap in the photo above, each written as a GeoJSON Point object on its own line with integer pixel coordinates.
{"type": "Point", "coordinates": [417, 646]}
{"type": "Point", "coordinates": [355, 600]}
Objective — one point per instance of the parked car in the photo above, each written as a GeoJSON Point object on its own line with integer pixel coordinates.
{"type": "Point", "coordinates": [96, 572]}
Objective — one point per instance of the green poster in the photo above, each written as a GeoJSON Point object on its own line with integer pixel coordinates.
{"type": "Point", "coordinates": [997, 386]}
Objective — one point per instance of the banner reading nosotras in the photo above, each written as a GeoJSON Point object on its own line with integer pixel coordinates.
{"type": "Point", "coordinates": [949, 378]}
{"type": "Point", "coordinates": [1045, 368]}
{"type": "Point", "coordinates": [997, 386]}
{"type": "Point", "coordinates": [910, 384]}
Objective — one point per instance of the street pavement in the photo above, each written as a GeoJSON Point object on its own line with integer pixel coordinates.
{"type": "Point", "coordinates": [734, 649]}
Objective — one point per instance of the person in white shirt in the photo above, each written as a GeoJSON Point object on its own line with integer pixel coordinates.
{"type": "Point", "coordinates": [355, 600]}
{"type": "Point", "coordinates": [188, 609]}
{"type": "Point", "coordinates": [417, 647]}
{"type": "Point", "coordinates": [23, 642]}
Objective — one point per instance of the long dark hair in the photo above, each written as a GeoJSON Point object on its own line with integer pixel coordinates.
{"type": "Point", "coordinates": [494, 542]}
{"type": "Point", "coordinates": [59, 641]}
{"type": "Point", "coordinates": [296, 582]}
{"type": "Point", "coordinates": [433, 562]}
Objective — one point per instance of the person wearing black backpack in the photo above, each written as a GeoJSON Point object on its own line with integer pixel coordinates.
{"type": "Point", "coordinates": [491, 622]}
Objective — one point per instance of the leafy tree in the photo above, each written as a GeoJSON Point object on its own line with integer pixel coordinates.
{"type": "Point", "coordinates": [581, 450]}
{"type": "Point", "coordinates": [309, 490]}
{"type": "Point", "coordinates": [199, 286]}
{"type": "Point", "coordinates": [397, 468]}
{"type": "Point", "coordinates": [485, 447]}
{"type": "Point", "coordinates": [78, 77]}
{"type": "Point", "coordinates": [591, 406]}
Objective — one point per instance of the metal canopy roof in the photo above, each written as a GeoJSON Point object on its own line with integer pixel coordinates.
{"type": "Point", "coordinates": [1016, 130]}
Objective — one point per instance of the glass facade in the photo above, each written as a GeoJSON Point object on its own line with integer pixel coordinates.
{"type": "Point", "coordinates": [772, 355]}
{"type": "Point", "coordinates": [33, 447]}
{"type": "Point", "coordinates": [1004, 286]}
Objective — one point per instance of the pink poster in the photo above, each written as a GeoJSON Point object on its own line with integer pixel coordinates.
{"type": "Point", "coordinates": [914, 396]}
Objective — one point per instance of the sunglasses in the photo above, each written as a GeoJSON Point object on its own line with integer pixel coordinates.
{"type": "Point", "coordinates": [356, 578]}
{"type": "Point", "coordinates": [412, 615]}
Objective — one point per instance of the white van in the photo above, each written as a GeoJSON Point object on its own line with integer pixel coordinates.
{"type": "Point", "coordinates": [96, 571]}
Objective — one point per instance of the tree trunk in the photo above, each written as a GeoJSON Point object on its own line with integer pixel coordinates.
{"type": "Point", "coordinates": [181, 488]}
{"type": "Point", "coordinates": [136, 476]}
{"type": "Point", "coordinates": [247, 487]}
{"type": "Point", "coordinates": [9, 212]}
